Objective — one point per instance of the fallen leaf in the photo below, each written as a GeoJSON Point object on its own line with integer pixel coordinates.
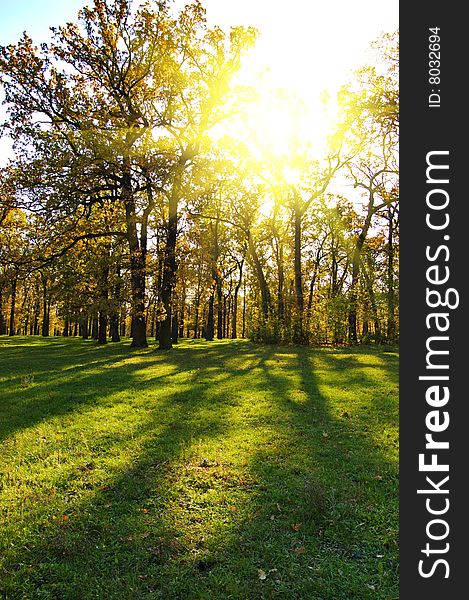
{"type": "Point", "coordinates": [146, 510]}
{"type": "Point", "coordinates": [325, 434]}
{"type": "Point", "coordinates": [65, 518]}
{"type": "Point", "coordinates": [262, 574]}
{"type": "Point", "coordinates": [272, 517]}
{"type": "Point", "coordinates": [299, 550]}
{"type": "Point", "coordinates": [296, 526]}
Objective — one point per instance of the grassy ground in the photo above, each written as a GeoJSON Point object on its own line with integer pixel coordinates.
{"type": "Point", "coordinates": [215, 471]}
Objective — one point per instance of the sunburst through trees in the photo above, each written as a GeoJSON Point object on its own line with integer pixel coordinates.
{"type": "Point", "coordinates": [153, 194]}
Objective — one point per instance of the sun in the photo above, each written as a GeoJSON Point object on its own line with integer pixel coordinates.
{"type": "Point", "coordinates": [284, 114]}
{"type": "Point", "coordinates": [309, 51]}
{"type": "Point", "coordinates": [278, 119]}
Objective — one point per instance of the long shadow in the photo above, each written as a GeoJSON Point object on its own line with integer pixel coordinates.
{"type": "Point", "coordinates": [38, 388]}
{"type": "Point", "coordinates": [128, 492]}
{"type": "Point", "coordinates": [293, 525]}
{"type": "Point", "coordinates": [344, 481]}
{"type": "Point", "coordinates": [346, 499]}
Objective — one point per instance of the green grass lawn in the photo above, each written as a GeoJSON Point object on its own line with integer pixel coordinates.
{"type": "Point", "coordinates": [214, 471]}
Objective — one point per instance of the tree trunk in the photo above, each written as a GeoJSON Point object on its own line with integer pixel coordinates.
{"type": "Point", "coordinates": [391, 325]}
{"type": "Point", "coordinates": [95, 329]}
{"type": "Point", "coordinates": [196, 320]}
{"type": "Point", "coordinates": [181, 314]}
{"type": "Point", "coordinates": [298, 335]}
{"type": "Point", "coordinates": [186, 328]}
{"type": "Point", "coordinates": [314, 277]}
{"type": "Point", "coordinates": [373, 305]}
{"type": "Point", "coordinates": [243, 329]}
{"type": "Point", "coordinates": [169, 265]}
{"type": "Point", "coordinates": [115, 310]}
{"type": "Point", "coordinates": [159, 283]}
{"type": "Point", "coordinates": [25, 310]}
{"type": "Point", "coordinates": [311, 290]}
{"type": "Point", "coordinates": [34, 323]}
{"type": "Point", "coordinates": [181, 325]}
{"type": "Point", "coordinates": [167, 283]}
{"type": "Point", "coordinates": [365, 329]}
{"type": "Point", "coordinates": [114, 328]}
{"type": "Point", "coordinates": [45, 311]}
{"type": "Point", "coordinates": [265, 293]}
{"type": "Point", "coordinates": [210, 328]}
{"type": "Point", "coordinates": [153, 319]}
{"type": "Point", "coordinates": [174, 328]}
{"type": "Point", "coordinates": [281, 282]}
{"type": "Point", "coordinates": [102, 327]}
{"type": "Point", "coordinates": [137, 263]}
{"type": "Point", "coordinates": [226, 314]}
{"type": "Point", "coordinates": [104, 300]}
{"type": "Point", "coordinates": [84, 327]}
{"type": "Point", "coordinates": [14, 284]}
{"type": "Point", "coordinates": [234, 322]}
{"type": "Point", "coordinates": [197, 302]}
{"type": "Point", "coordinates": [352, 312]}
{"type": "Point", "coordinates": [3, 325]}
{"type": "Point", "coordinates": [352, 315]}
{"type": "Point", "coordinates": [219, 308]}
{"type": "Point", "coordinates": [37, 309]}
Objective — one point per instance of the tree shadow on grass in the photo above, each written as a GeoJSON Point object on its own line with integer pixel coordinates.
{"type": "Point", "coordinates": [244, 479]}
{"type": "Point", "coordinates": [42, 380]}
{"type": "Point", "coordinates": [329, 516]}
{"type": "Point", "coordinates": [39, 385]}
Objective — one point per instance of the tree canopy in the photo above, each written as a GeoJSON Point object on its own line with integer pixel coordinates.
{"type": "Point", "coordinates": [140, 201]}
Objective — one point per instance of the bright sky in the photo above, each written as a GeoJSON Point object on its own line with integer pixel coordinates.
{"type": "Point", "coordinates": [309, 45]}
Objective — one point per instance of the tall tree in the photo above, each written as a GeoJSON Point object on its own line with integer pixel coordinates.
{"type": "Point", "coordinates": [124, 98]}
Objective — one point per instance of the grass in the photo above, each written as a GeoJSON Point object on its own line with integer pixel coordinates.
{"type": "Point", "coordinates": [215, 471]}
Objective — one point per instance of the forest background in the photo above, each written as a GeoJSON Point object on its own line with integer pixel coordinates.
{"type": "Point", "coordinates": [154, 193]}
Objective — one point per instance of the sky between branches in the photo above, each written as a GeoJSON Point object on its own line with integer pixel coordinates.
{"type": "Point", "coordinates": [308, 46]}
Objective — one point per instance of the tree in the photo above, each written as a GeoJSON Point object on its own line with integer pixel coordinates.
{"type": "Point", "coordinates": [124, 100]}
{"type": "Point", "coordinates": [370, 125]}
{"type": "Point", "coordinates": [138, 210]}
